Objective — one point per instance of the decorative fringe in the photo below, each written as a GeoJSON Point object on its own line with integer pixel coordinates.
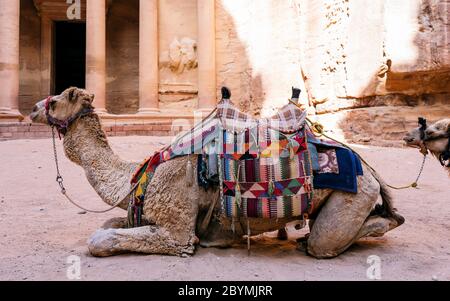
{"type": "Point", "coordinates": [222, 201]}
{"type": "Point", "coordinates": [189, 173]}
{"type": "Point", "coordinates": [130, 213]}
{"type": "Point", "coordinates": [134, 212]}
{"type": "Point", "coordinates": [238, 194]}
{"type": "Point", "coordinates": [248, 237]}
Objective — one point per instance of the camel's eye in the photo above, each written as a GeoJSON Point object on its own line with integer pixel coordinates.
{"type": "Point", "coordinates": [53, 105]}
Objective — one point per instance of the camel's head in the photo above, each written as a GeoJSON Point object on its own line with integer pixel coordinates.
{"type": "Point", "coordinates": [62, 107]}
{"type": "Point", "coordinates": [433, 137]}
{"type": "Point", "coordinates": [413, 138]}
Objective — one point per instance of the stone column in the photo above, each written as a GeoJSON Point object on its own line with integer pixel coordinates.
{"type": "Point", "coordinates": [9, 59]}
{"type": "Point", "coordinates": [148, 57]}
{"type": "Point", "coordinates": [96, 52]}
{"type": "Point", "coordinates": [206, 50]}
{"type": "Point", "coordinates": [46, 56]}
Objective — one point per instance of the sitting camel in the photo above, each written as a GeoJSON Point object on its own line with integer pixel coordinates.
{"type": "Point", "coordinates": [173, 211]}
{"type": "Point", "coordinates": [434, 138]}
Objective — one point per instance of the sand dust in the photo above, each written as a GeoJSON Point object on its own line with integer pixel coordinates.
{"type": "Point", "coordinates": [39, 229]}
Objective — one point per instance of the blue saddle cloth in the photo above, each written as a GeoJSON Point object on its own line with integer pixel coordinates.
{"type": "Point", "coordinates": [349, 168]}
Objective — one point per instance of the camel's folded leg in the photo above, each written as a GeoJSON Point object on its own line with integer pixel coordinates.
{"type": "Point", "coordinates": [147, 239]}
{"type": "Point", "coordinates": [341, 219]}
{"type": "Point", "coordinates": [376, 226]}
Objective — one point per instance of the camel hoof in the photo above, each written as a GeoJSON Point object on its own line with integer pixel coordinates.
{"type": "Point", "coordinates": [100, 244]}
{"type": "Point", "coordinates": [398, 218]}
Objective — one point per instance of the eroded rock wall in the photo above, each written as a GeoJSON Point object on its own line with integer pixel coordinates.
{"type": "Point", "coordinates": [359, 52]}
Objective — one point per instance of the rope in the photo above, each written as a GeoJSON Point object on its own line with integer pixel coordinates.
{"type": "Point", "coordinates": [60, 181]}
{"type": "Point", "coordinates": [318, 128]}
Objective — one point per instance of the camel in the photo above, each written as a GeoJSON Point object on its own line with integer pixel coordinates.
{"type": "Point", "coordinates": [173, 211]}
{"type": "Point", "coordinates": [434, 138]}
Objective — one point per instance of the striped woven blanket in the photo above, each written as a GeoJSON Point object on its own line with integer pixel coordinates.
{"type": "Point", "coordinates": [275, 183]}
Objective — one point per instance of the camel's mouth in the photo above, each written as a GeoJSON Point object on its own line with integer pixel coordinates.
{"type": "Point", "coordinates": [37, 115]}
{"type": "Point", "coordinates": [33, 116]}
{"type": "Point", "coordinates": [411, 142]}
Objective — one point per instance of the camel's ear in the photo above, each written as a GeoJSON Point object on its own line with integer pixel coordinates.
{"type": "Point", "coordinates": [73, 94]}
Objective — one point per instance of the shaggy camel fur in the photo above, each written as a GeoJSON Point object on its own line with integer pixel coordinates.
{"type": "Point", "coordinates": [173, 211]}
{"type": "Point", "coordinates": [436, 139]}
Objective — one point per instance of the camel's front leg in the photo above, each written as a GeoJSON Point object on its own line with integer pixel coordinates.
{"type": "Point", "coordinates": [147, 239]}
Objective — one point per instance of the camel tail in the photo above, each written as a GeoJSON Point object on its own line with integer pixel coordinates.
{"type": "Point", "coordinates": [386, 209]}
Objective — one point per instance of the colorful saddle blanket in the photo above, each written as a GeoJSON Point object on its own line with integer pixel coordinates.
{"type": "Point", "coordinates": [266, 168]}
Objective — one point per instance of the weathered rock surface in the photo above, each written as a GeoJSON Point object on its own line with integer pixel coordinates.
{"type": "Point", "coordinates": [358, 49]}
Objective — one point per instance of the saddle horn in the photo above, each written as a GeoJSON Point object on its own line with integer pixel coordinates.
{"type": "Point", "coordinates": [295, 94]}
{"type": "Point", "coordinates": [226, 94]}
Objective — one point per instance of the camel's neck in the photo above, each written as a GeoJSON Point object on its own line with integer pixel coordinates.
{"type": "Point", "coordinates": [85, 144]}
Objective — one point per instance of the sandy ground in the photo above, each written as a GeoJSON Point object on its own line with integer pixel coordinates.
{"type": "Point", "coordinates": [39, 229]}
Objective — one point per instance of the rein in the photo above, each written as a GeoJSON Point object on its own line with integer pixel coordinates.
{"type": "Point", "coordinates": [59, 178]}
{"type": "Point", "coordinates": [319, 130]}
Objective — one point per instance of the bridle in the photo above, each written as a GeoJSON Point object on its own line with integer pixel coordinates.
{"type": "Point", "coordinates": [62, 125]}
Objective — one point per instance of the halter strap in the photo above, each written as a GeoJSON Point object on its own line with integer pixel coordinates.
{"type": "Point", "coordinates": [62, 125]}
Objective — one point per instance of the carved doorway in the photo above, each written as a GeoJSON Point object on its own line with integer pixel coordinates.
{"type": "Point", "coordinates": [69, 55]}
